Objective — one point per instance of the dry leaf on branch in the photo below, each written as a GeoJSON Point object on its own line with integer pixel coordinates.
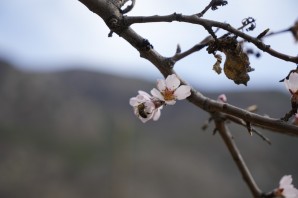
{"type": "Point", "coordinates": [237, 65]}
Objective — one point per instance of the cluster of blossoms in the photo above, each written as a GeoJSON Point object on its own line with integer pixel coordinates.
{"type": "Point", "coordinates": [148, 107]}
{"type": "Point", "coordinates": [286, 188]}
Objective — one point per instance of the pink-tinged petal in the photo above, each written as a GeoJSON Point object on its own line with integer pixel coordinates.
{"type": "Point", "coordinates": [161, 85]}
{"type": "Point", "coordinates": [149, 106]}
{"type": "Point", "coordinates": [287, 188]}
{"type": "Point", "coordinates": [170, 102]}
{"type": "Point", "coordinates": [292, 82]}
{"type": "Point", "coordinates": [285, 180]}
{"type": "Point", "coordinates": [222, 98]}
{"type": "Point", "coordinates": [287, 84]}
{"type": "Point", "coordinates": [156, 114]}
{"type": "Point", "coordinates": [144, 120]}
{"type": "Point", "coordinates": [182, 92]}
{"type": "Point", "coordinates": [133, 102]}
{"type": "Point", "coordinates": [157, 94]}
{"type": "Point", "coordinates": [294, 78]}
{"type": "Point", "coordinates": [144, 94]}
{"type": "Point", "coordinates": [172, 82]}
{"type": "Point", "coordinates": [290, 193]}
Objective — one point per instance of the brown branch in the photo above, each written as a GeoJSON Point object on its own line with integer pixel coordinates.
{"type": "Point", "coordinates": [206, 9]}
{"type": "Point", "coordinates": [227, 137]}
{"type": "Point", "coordinates": [194, 19]}
{"type": "Point", "coordinates": [210, 105]}
{"type": "Point", "coordinates": [113, 18]}
{"type": "Point", "coordinates": [213, 5]}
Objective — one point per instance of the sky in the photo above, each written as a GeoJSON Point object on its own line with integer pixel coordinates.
{"type": "Point", "coordinates": [50, 35]}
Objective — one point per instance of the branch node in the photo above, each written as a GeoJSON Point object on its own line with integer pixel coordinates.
{"type": "Point", "coordinates": [113, 22]}
{"type": "Point", "coordinates": [169, 62]}
{"type": "Point", "coordinates": [249, 128]}
{"type": "Point", "coordinates": [145, 45]}
{"type": "Point", "coordinates": [178, 17]}
{"type": "Point", "coordinates": [116, 24]}
{"type": "Point", "coordinates": [260, 36]}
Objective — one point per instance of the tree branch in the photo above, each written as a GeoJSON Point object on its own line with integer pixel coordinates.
{"type": "Point", "coordinates": [227, 137]}
{"type": "Point", "coordinates": [194, 19]}
{"type": "Point", "coordinates": [112, 16]}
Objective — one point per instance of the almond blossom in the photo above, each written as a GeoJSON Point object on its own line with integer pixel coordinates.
{"type": "Point", "coordinates": [146, 107]}
{"type": "Point", "coordinates": [291, 83]}
{"type": "Point", "coordinates": [170, 90]}
{"type": "Point", "coordinates": [286, 188]}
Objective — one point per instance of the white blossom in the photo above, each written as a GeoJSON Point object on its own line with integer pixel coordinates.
{"type": "Point", "coordinates": [292, 83]}
{"type": "Point", "coordinates": [170, 90]}
{"type": "Point", "coordinates": [146, 107]}
{"type": "Point", "coordinates": [286, 188]}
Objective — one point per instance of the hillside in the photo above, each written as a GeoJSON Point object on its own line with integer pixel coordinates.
{"type": "Point", "coordinates": [72, 134]}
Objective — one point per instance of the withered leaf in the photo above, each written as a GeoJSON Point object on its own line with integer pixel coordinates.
{"type": "Point", "coordinates": [216, 66]}
{"type": "Point", "coordinates": [236, 66]}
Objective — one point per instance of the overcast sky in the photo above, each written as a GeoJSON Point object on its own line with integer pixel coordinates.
{"type": "Point", "coordinates": [59, 34]}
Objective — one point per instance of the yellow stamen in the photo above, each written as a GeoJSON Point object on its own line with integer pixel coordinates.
{"type": "Point", "coordinates": [168, 95]}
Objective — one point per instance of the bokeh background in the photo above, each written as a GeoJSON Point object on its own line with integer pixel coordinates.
{"type": "Point", "coordinates": [67, 130]}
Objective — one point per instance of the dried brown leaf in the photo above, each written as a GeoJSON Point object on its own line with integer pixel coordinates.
{"type": "Point", "coordinates": [216, 67]}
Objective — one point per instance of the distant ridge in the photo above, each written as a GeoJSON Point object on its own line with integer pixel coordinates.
{"type": "Point", "coordinates": [72, 134]}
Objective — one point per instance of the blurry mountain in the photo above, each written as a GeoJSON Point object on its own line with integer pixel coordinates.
{"type": "Point", "coordinates": [72, 134]}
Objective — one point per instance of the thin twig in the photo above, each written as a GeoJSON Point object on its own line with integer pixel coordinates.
{"type": "Point", "coordinates": [242, 123]}
{"type": "Point", "coordinates": [179, 56]}
{"type": "Point", "coordinates": [227, 137]}
{"type": "Point", "coordinates": [206, 9]}
{"type": "Point", "coordinates": [278, 32]}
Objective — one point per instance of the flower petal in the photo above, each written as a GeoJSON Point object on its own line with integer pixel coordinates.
{"type": "Point", "coordinates": [292, 82]}
{"type": "Point", "coordinates": [134, 101]}
{"type": "Point", "coordinates": [172, 82]}
{"type": "Point", "coordinates": [157, 94]}
{"type": "Point", "coordinates": [156, 114]}
{"type": "Point", "coordinates": [161, 85]}
{"type": "Point", "coordinates": [290, 193]}
{"type": "Point", "coordinates": [144, 120]}
{"type": "Point", "coordinates": [182, 92]}
{"type": "Point", "coordinates": [144, 94]}
{"type": "Point", "coordinates": [170, 102]}
{"type": "Point", "coordinates": [285, 180]}
{"type": "Point", "coordinates": [288, 190]}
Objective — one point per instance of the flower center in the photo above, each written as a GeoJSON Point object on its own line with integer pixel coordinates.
{"type": "Point", "coordinates": [168, 95]}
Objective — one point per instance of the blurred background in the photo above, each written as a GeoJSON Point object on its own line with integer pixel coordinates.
{"type": "Point", "coordinates": [67, 130]}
